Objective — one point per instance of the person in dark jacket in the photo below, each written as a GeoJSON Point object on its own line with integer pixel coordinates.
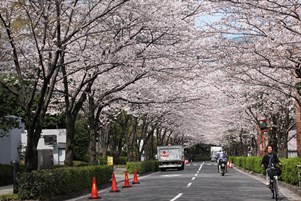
{"type": "Point", "coordinates": [221, 157]}
{"type": "Point", "coordinates": [268, 160]}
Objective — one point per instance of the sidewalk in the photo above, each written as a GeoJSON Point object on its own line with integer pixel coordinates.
{"type": "Point", "coordinates": [6, 189]}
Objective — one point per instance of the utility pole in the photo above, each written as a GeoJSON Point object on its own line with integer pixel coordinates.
{"type": "Point", "coordinates": [263, 128]}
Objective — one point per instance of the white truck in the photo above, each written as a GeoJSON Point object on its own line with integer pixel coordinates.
{"type": "Point", "coordinates": [170, 157]}
{"type": "Point", "coordinates": [213, 152]}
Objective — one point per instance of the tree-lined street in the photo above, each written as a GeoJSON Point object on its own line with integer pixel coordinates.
{"type": "Point", "coordinates": [186, 71]}
{"type": "Point", "coordinates": [119, 78]}
{"type": "Point", "coordinates": [199, 181]}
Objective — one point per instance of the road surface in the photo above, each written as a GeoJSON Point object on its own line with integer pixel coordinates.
{"type": "Point", "coordinates": [198, 182]}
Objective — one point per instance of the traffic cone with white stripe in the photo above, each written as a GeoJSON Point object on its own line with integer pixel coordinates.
{"type": "Point", "coordinates": [126, 181]}
{"type": "Point", "coordinates": [135, 177]}
{"type": "Point", "coordinates": [114, 184]}
{"type": "Point", "coordinates": [94, 191]}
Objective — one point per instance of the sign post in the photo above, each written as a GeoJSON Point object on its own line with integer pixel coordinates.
{"type": "Point", "coordinates": [110, 160]}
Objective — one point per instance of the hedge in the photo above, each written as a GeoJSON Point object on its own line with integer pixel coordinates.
{"type": "Point", "coordinates": [142, 166]}
{"type": "Point", "coordinates": [6, 174]}
{"type": "Point", "coordinates": [46, 184]}
{"type": "Point", "coordinates": [9, 197]}
{"type": "Point", "coordinates": [253, 163]}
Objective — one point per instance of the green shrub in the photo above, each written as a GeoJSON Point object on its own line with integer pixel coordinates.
{"type": "Point", "coordinates": [122, 160]}
{"type": "Point", "coordinates": [151, 166]}
{"type": "Point", "coordinates": [253, 163]}
{"type": "Point", "coordinates": [80, 163]}
{"type": "Point", "coordinates": [8, 197]}
{"type": "Point", "coordinates": [250, 163]}
{"type": "Point", "coordinates": [257, 165]}
{"type": "Point", "coordinates": [101, 160]}
{"type": "Point", "coordinates": [290, 170]}
{"type": "Point", "coordinates": [6, 175]}
{"type": "Point", "coordinates": [139, 166]}
{"type": "Point", "coordinates": [38, 185]}
{"type": "Point", "coordinates": [46, 184]}
{"type": "Point", "coordinates": [142, 166]}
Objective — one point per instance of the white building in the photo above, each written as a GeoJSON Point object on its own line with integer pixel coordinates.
{"type": "Point", "coordinates": [51, 146]}
{"type": "Point", "coordinates": [10, 142]}
{"type": "Point", "coordinates": [292, 144]}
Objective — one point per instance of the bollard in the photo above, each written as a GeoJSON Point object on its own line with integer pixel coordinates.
{"type": "Point", "coordinates": [16, 170]}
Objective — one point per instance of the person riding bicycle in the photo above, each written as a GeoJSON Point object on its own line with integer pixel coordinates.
{"type": "Point", "coordinates": [221, 157]}
{"type": "Point", "coordinates": [269, 160]}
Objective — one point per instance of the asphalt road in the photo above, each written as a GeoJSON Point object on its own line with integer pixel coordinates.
{"type": "Point", "coordinates": [198, 182]}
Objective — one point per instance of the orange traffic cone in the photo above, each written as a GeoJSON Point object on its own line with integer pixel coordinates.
{"type": "Point", "coordinates": [114, 184]}
{"type": "Point", "coordinates": [126, 181]}
{"type": "Point", "coordinates": [94, 192]}
{"type": "Point", "coordinates": [135, 178]}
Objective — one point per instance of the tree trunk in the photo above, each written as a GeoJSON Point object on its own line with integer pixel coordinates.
{"type": "Point", "coordinates": [33, 137]}
{"type": "Point", "coordinates": [69, 140]}
{"type": "Point", "coordinates": [147, 145]}
{"type": "Point", "coordinates": [283, 148]}
{"type": "Point", "coordinates": [104, 140]}
{"type": "Point", "coordinates": [31, 156]}
{"type": "Point", "coordinates": [169, 138]}
{"type": "Point", "coordinates": [92, 132]}
{"type": "Point", "coordinates": [273, 140]}
{"type": "Point", "coordinates": [92, 147]}
{"type": "Point", "coordinates": [103, 150]}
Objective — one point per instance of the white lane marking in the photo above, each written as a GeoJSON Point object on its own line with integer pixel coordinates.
{"type": "Point", "coordinates": [188, 185]}
{"type": "Point", "coordinates": [193, 178]}
{"type": "Point", "coordinates": [170, 175]}
{"type": "Point", "coordinates": [198, 172]}
{"type": "Point", "coordinates": [196, 175]}
{"type": "Point", "coordinates": [179, 195]}
{"type": "Point", "coordinates": [201, 166]}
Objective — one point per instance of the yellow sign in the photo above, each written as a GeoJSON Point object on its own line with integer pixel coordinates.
{"type": "Point", "coordinates": [110, 160]}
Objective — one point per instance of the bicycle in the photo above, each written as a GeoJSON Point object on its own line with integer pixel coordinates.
{"type": "Point", "coordinates": [273, 176]}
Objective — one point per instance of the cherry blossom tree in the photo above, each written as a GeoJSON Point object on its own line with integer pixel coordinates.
{"type": "Point", "coordinates": [152, 33]}
{"type": "Point", "coordinates": [259, 49]}
{"type": "Point", "coordinates": [36, 38]}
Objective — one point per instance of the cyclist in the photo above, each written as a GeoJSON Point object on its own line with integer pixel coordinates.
{"type": "Point", "coordinates": [268, 160]}
{"type": "Point", "coordinates": [221, 157]}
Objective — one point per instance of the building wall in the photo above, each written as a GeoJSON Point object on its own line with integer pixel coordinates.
{"type": "Point", "coordinates": [292, 144]}
{"type": "Point", "coordinates": [57, 149]}
{"type": "Point", "coordinates": [5, 144]}
{"type": "Point", "coordinates": [10, 143]}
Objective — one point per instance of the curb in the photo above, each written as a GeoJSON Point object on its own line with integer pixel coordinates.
{"type": "Point", "coordinates": [295, 189]}
{"type": "Point", "coordinates": [8, 189]}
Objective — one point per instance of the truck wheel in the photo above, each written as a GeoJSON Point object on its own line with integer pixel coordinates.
{"type": "Point", "coordinates": [182, 167]}
{"type": "Point", "coordinates": [162, 169]}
